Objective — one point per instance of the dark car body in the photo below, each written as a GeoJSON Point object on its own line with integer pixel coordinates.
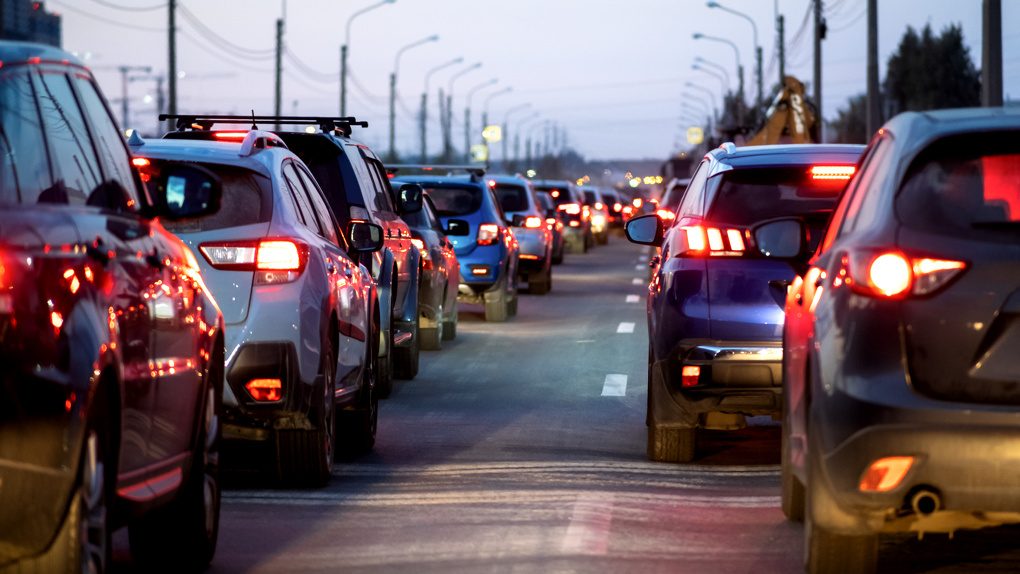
{"type": "Point", "coordinates": [576, 217]}
{"type": "Point", "coordinates": [440, 278]}
{"type": "Point", "coordinates": [518, 199]}
{"type": "Point", "coordinates": [901, 366]}
{"type": "Point", "coordinates": [111, 345]}
{"type": "Point", "coordinates": [598, 209]}
{"type": "Point", "coordinates": [715, 305]}
{"type": "Point", "coordinates": [554, 221]}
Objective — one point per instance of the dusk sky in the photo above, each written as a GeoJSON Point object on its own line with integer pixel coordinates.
{"type": "Point", "coordinates": [611, 73]}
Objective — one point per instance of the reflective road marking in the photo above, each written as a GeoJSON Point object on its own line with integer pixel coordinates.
{"type": "Point", "coordinates": [615, 386]}
{"type": "Point", "coordinates": [640, 267]}
{"type": "Point", "coordinates": [633, 298]}
{"type": "Point", "coordinates": [588, 532]}
{"type": "Point", "coordinates": [638, 281]}
{"type": "Point", "coordinates": [625, 327]}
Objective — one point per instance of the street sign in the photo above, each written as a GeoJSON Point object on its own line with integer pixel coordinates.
{"type": "Point", "coordinates": [479, 153]}
{"type": "Point", "coordinates": [695, 135]}
{"type": "Point", "coordinates": [492, 134]}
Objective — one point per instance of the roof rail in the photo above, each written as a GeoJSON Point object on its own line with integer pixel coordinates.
{"type": "Point", "coordinates": [475, 171]}
{"type": "Point", "coordinates": [327, 124]}
{"type": "Point", "coordinates": [730, 147]}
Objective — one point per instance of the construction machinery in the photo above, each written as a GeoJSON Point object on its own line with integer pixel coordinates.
{"type": "Point", "coordinates": [789, 119]}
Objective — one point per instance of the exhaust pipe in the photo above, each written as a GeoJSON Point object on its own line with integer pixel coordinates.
{"type": "Point", "coordinates": [925, 502]}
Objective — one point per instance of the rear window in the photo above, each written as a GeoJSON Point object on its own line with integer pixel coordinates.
{"type": "Point", "coordinates": [966, 187]}
{"type": "Point", "coordinates": [455, 200]}
{"type": "Point", "coordinates": [748, 196]}
{"type": "Point", "coordinates": [512, 197]}
{"type": "Point", "coordinates": [559, 195]}
{"type": "Point", "coordinates": [247, 199]}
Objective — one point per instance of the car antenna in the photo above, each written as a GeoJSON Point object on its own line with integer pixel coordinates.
{"type": "Point", "coordinates": [253, 125]}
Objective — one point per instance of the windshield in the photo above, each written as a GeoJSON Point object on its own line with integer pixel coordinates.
{"type": "Point", "coordinates": [748, 196]}
{"type": "Point", "coordinates": [455, 200]}
{"type": "Point", "coordinates": [513, 198]}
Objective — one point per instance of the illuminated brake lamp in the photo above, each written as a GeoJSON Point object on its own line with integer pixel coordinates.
{"type": "Point", "coordinates": [890, 274]}
{"type": "Point", "coordinates": [689, 376]}
{"type": "Point", "coordinates": [265, 390]}
{"type": "Point", "coordinates": [599, 206]}
{"type": "Point", "coordinates": [278, 256]}
{"type": "Point", "coordinates": [139, 162]}
{"type": "Point", "coordinates": [533, 222]}
{"type": "Point", "coordinates": [736, 241]}
{"type": "Point", "coordinates": [488, 233]}
{"type": "Point", "coordinates": [230, 135]}
{"type": "Point", "coordinates": [570, 208]}
{"type": "Point", "coordinates": [492, 183]}
{"type": "Point", "coordinates": [893, 274]}
{"type": "Point", "coordinates": [617, 207]}
{"type": "Point", "coordinates": [555, 193]}
{"type": "Point", "coordinates": [886, 473]}
{"type": "Point", "coordinates": [637, 202]}
{"type": "Point", "coordinates": [832, 171]}
{"type": "Point", "coordinates": [714, 239]}
{"type": "Point", "coordinates": [665, 214]}
{"type": "Point", "coordinates": [695, 237]}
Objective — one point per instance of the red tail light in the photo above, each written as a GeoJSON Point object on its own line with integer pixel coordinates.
{"type": "Point", "coordinates": [598, 206]}
{"type": "Point", "coordinates": [570, 208]}
{"type": "Point", "coordinates": [533, 222]}
{"type": "Point", "coordinates": [689, 376]}
{"type": "Point", "coordinates": [894, 275]}
{"type": "Point", "coordinates": [264, 390]}
{"type": "Point", "coordinates": [665, 214]}
{"type": "Point", "coordinates": [832, 171]}
{"type": "Point", "coordinates": [230, 135]}
{"type": "Point", "coordinates": [617, 207]}
{"type": "Point", "coordinates": [425, 257]}
{"type": "Point", "coordinates": [488, 233]}
{"type": "Point", "coordinates": [273, 261]}
{"type": "Point", "coordinates": [714, 241]}
{"type": "Point", "coordinates": [139, 162]}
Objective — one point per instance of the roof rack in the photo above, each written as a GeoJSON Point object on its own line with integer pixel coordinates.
{"type": "Point", "coordinates": [475, 171]}
{"type": "Point", "coordinates": [196, 122]}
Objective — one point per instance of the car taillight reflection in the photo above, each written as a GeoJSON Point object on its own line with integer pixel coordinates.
{"type": "Point", "coordinates": [264, 390]}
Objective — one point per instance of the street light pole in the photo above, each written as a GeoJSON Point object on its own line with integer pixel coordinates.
{"type": "Point", "coordinates": [467, 118]}
{"type": "Point", "coordinates": [723, 80]}
{"type": "Point", "coordinates": [424, 101]}
{"type": "Point", "coordinates": [393, 91]}
{"type": "Point", "coordinates": [757, 46]}
{"type": "Point", "coordinates": [448, 120]}
{"type": "Point", "coordinates": [506, 131]}
{"type": "Point", "coordinates": [343, 54]}
{"type": "Point", "coordinates": [740, 72]}
{"type": "Point", "coordinates": [719, 67]}
{"type": "Point", "coordinates": [485, 110]}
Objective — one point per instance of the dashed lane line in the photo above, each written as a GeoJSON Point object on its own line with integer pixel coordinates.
{"type": "Point", "coordinates": [625, 327]}
{"type": "Point", "coordinates": [615, 386]}
{"type": "Point", "coordinates": [633, 298]}
{"type": "Point", "coordinates": [637, 281]}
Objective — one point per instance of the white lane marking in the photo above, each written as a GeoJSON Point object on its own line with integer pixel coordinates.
{"type": "Point", "coordinates": [625, 327]}
{"type": "Point", "coordinates": [633, 298]}
{"type": "Point", "coordinates": [640, 267]}
{"type": "Point", "coordinates": [615, 386]}
{"type": "Point", "coordinates": [637, 281]}
{"type": "Point", "coordinates": [588, 532]}
{"type": "Point", "coordinates": [646, 249]}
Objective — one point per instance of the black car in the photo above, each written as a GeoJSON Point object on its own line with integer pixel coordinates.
{"type": "Point", "coordinates": [902, 410]}
{"type": "Point", "coordinates": [112, 348]}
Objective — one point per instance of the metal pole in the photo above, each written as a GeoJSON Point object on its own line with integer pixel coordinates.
{"type": "Point", "coordinates": [874, 120]}
{"type": "Point", "coordinates": [424, 98]}
{"type": "Point", "coordinates": [172, 74]}
{"type": "Point", "coordinates": [819, 25]}
{"type": "Point", "coordinates": [467, 135]}
{"type": "Point", "coordinates": [343, 81]}
{"type": "Point", "coordinates": [279, 69]}
{"type": "Point", "coordinates": [782, 53]}
{"type": "Point", "coordinates": [991, 53]}
{"type": "Point", "coordinates": [393, 95]}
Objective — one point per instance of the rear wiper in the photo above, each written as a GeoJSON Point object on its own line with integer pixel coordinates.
{"type": "Point", "coordinates": [1003, 225]}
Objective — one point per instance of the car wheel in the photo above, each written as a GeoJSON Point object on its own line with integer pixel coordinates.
{"type": "Point", "coordinates": [792, 487]}
{"type": "Point", "coordinates": [305, 457]}
{"type": "Point", "coordinates": [496, 305]}
{"type": "Point", "coordinates": [604, 238]}
{"type": "Point", "coordinates": [450, 328]}
{"type": "Point", "coordinates": [541, 286]}
{"type": "Point", "coordinates": [405, 359]}
{"type": "Point", "coordinates": [667, 444]}
{"type": "Point", "coordinates": [360, 424]}
{"type": "Point", "coordinates": [384, 376]}
{"type": "Point", "coordinates": [557, 257]}
{"type": "Point", "coordinates": [511, 305]}
{"type": "Point", "coordinates": [184, 533]}
{"type": "Point", "coordinates": [432, 338]}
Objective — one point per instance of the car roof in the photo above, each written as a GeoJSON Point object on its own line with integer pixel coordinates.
{"type": "Point", "coordinates": [916, 130]}
{"type": "Point", "coordinates": [437, 180]}
{"type": "Point", "coordinates": [786, 154]}
{"type": "Point", "coordinates": [216, 152]}
{"type": "Point", "coordinates": [12, 52]}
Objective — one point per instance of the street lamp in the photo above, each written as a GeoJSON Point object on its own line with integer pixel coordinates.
{"type": "Point", "coordinates": [519, 130]}
{"type": "Point", "coordinates": [467, 118]}
{"type": "Point", "coordinates": [757, 47]}
{"type": "Point", "coordinates": [506, 132]}
{"type": "Point", "coordinates": [485, 107]}
{"type": "Point", "coordinates": [740, 71]}
{"type": "Point", "coordinates": [424, 101]}
{"type": "Point", "coordinates": [711, 94]}
{"type": "Point", "coordinates": [393, 90]}
{"type": "Point", "coordinates": [448, 121]}
{"type": "Point", "coordinates": [723, 83]}
{"type": "Point", "coordinates": [343, 54]}
{"type": "Point", "coordinates": [722, 69]}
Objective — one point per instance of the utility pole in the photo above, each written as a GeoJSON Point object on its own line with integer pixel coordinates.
{"type": "Point", "coordinates": [819, 36]}
{"type": "Point", "coordinates": [172, 73]}
{"type": "Point", "coordinates": [448, 132]}
{"type": "Point", "coordinates": [874, 119]}
{"type": "Point", "coordinates": [279, 69]}
{"type": "Point", "coordinates": [422, 114]}
{"type": "Point", "coordinates": [467, 135]}
{"type": "Point", "coordinates": [991, 53]}
{"type": "Point", "coordinates": [782, 53]}
{"type": "Point", "coordinates": [125, 118]}
{"type": "Point", "coordinates": [393, 117]}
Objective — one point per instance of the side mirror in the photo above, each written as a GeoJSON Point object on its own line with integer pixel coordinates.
{"type": "Point", "coordinates": [645, 230]}
{"type": "Point", "coordinates": [410, 198]}
{"type": "Point", "coordinates": [518, 220]}
{"type": "Point", "coordinates": [781, 238]}
{"type": "Point", "coordinates": [188, 191]}
{"type": "Point", "coordinates": [364, 237]}
{"type": "Point", "coordinates": [457, 227]}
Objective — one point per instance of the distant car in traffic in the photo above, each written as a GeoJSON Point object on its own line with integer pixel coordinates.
{"type": "Point", "coordinates": [517, 197]}
{"type": "Point", "coordinates": [901, 398]}
{"type": "Point", "coordinates": [598, 208]}
{"type": "Point", "coordinates": [715, 301]}
{"type": "Point", "coordinates": [112, 346]}
{"type": "Point", "coordinates": [554, 222]}
{"type": "Point", "coordinates": [577, 218]}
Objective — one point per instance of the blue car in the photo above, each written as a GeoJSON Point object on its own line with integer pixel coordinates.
{"type": "Point", "coordinates": [482, 238]}
{"type": "Point", "coordinates": [715, 301]}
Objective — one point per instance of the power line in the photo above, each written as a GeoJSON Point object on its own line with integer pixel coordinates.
{"type": "Point", "coordinates": [107, 20]}
{"type": "Point", "coordinates": [307, 70]}
{"type": "Point", "coordinates": [130, 8]}
{"type": "Point", "coordinates": [221, 57]}
{"type": "Point", "coordinates": [354, 80]}
{"type": "Point", "coordinates": [224, 44]}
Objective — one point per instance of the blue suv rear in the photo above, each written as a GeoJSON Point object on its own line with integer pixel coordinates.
{"type": "Point", "coordinates": [715, 302]}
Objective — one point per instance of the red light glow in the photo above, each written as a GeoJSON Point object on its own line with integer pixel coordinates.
{"type": "Point", "coordinates": [689, 376]}
{"type": "Point", "coordinates": [266, 390]}
{"type": "Point", "coordinates": [832, 171]}
{"type": "Point", "coordinates": [886, 474]}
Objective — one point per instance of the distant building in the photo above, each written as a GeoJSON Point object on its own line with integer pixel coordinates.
{"type": "Point", "coordinates": [29, 21]}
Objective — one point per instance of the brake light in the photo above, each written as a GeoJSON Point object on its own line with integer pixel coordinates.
{"type": "Point", "coordinates": [832, 171]}
{"type": "Point", "coordinates": [665, 214]}
{"type": "Point", "coordinates": [689, 376]}
{"type": "Point", "coordinates": [488, 233]}
{"type": "Point", "coordinates": [598, 206]}
{"type": "Point", "coordinates": [892, 274]}
{"type": "Point", "coordinates": [628, 210]}
{"type": "Point", "coordinates": [533, 222]}
{"type": "Point", "coordinates": [139, 162]}
{"type": "Point", "coordinates": [425, 257]}
{"type": "Point", "coordinates": [264, 390]}
{"type": "Point", "coordinates": [570, 208]}
{"type": "Point", "coordinates": [492, 183]}
{"type": "Point", "coordinates": [617, 207]}
{"type": "Point", "coordinates": [273, 261]}
{"type": "Point", "coordinates": [230, 135]}
{"type": "Point", "coordinates": [555, 193]}
{"type": "Point", "coordinates": [278, 255]}
{"type": "Point", "coordinates": [638, 201]}
{"type": "Point", "coordinates": [886, 474]}
{"type": "Point", "coordinates": [715, 240]}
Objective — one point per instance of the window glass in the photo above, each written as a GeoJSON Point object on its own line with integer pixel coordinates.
{"type": "Point", "coordinates": [877, 160]}
{"type": "Point", "coordinates": [75, 167]}
{"type": "Point", "coordinates": [120, 186]}
{"type": "Point", "coordinates": [375, 169]}
{"type": "Point", "coordinates": [365, 181]}
{"type": "Point", "coordinates": [455, 200]}
{"type": "Point", "coordinates": [297, 189]}
{"type": "Point", "coordinates": [692, 204]}
{"type": "Point", "coordinates": [319, 204]}
{"type": "Point", "coordinates": [512, 198]}
{"type": "Point", "coordinates": [24, 171]}
{"type": "Point", "coordinates": [247, 199]}
{"type": "Point", "coordinates": [748, 196]}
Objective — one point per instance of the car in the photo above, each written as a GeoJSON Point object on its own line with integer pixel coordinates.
{"type": "Point", "coordinates": [615, 202]}
{"type": "Point", "coordinates": [354, 181]}
{"type": "Point", "coordinates": [301, 314]}
{"type": "Point", "coordinates": [553, 221]}
{"type": "Point", "coordinates": [671, 197]}
{"type": "Point", "coordinates": [598, 206]}
{"type": "Point", "coordinates": [440, 277]}
{"type": "Point", "coordinates": [715, 302]}
{"type": "Point", "coordinates": [484, 241]}
{"type": "Point", "coordinates": [112, 347]}
{"type": "Point", "coordinates": [901, 402]}
{"type": "Point", "coordinates": [577, 230]}
{"type": "Point", "coordinates": [517, 197]}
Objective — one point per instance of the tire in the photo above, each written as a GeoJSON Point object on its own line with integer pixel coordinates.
{"type": "Point", "coordinates": [792, 487]}
{"type": "Point", "coordinates": [183, 534]}
{"type": "Point", "coordinates": [827, 552]}
{"type": "Point", "coordinates": [361, 423]}
{"type": "Point", "coordinates": [511, 306]}
{"type": "Point", "coordinates": [557, 258]}
{"type": "Point", "coordinates": [496, 306]}
{"type": "Point", "coordinates": [450, 328]}
{"type": "Point", "coordinates": [541, 286]}
{"type": "Point", "coordinates": [405, 359]}
{"type": "Point", "coordinates": [667, 444]}
{"type": "Point", "coordinates": [432, 338]}
{"type": "Point", "coordinates": [603, 238]}
{"type": "Point", "coordinates": [384, 374]}
{"type": "Point", "coordinates": [304, 458]}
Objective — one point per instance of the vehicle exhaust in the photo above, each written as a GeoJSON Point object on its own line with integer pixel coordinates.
{"type": "Point", "coordinates": [925, 502]}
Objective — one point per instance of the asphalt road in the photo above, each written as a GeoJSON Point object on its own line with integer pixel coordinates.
{"type": "Point", "coordinates": [520, 447]}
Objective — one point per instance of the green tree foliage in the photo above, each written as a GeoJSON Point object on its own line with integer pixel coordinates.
{"type": "Point", "coordinates": [851, 124]}
{"type": "Point", "coordinates": [929, 72]}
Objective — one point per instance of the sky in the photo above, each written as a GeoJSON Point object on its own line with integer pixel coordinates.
{"type": "Point", "coordinates": [610, 75]}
